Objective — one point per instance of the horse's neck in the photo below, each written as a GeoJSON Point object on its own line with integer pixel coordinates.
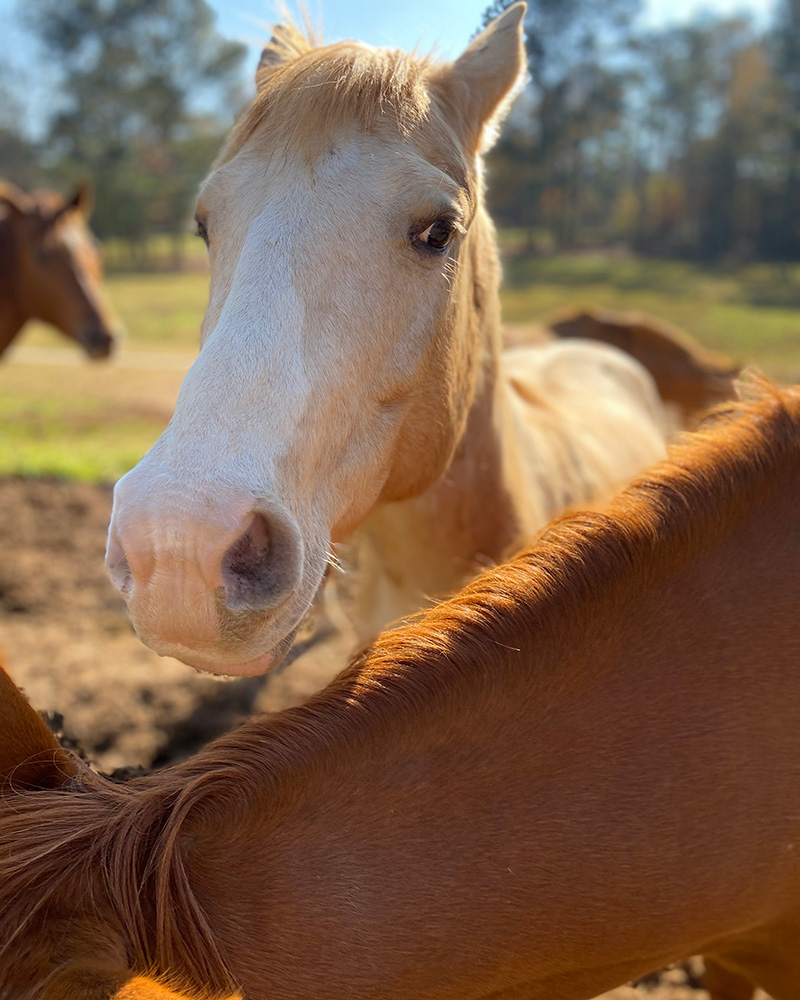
{"type": "Point", "coordinates": [12, 313]}
{"type": "Point", "coordinates": [503, 761]}
{"type": "Point", "coordinates": [555, 426]}
{"type": "Point", "coordinates": [497, 492]}
{"type": "Point", "coordinates": [408, 551]}
{"type": "Point", "coordinates": [411, 551]}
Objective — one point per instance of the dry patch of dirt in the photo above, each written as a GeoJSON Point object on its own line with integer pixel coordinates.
{"type": "Point", "coordinates": [66, 639]}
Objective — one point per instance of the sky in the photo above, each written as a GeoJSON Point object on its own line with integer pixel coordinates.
{"type": "Point", "coordinates": [442, 26]}
{"type": "Point", "coordinates": [446, 25]}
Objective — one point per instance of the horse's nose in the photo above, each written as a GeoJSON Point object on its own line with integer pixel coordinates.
{"type": "Point", "coordinates": [262, 566]}
{"type": "Point", "coordinates": [209, 576]}
{"type": "Point", "coordinates": [254, 566]}
{"type": "Point", "coordinates": [97, 342]}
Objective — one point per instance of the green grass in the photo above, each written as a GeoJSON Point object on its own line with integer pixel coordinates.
{"type": "Point", "coordinates": [751, 313]}
{"type": "Point", "coordinates": [93, 422]}
{"type": "Point", "coordinates": [72, 440]}
{"type": "Point", "coordinates": [90, 423]}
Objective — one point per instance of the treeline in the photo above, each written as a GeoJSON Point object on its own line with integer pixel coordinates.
{"type": "Point", "coordinates": [142, 93]}
{"type": "Point", "coordinates": [681, 142]}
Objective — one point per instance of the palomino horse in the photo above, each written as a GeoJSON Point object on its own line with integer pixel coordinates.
{"type": "Point", "coordinates": [687, 374]}
{"type": "Point", "coordinates": [50, 269]}
{"type": "Point", "coordinates": [351, 374]}
{"type": "Point", "coordinates": [488, 804]}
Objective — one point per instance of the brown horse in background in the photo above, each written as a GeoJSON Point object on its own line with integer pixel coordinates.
{"type": "Point", "coordinates": [51, 270]}
{"type": "Point", "coordinates": [686, 373]}
{"type": "Point", "coordinates": [485, 804]}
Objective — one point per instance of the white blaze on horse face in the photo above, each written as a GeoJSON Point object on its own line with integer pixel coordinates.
{"type": "Point", "coordinates": [320, 317]}
{"type": "Point", "coordinates": [243, 392]}
{"type": "Point", "coordinates": [317, 339]}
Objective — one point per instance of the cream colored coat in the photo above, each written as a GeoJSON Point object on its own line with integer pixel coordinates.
{"type": "Point", "coordinates": [350, 384]}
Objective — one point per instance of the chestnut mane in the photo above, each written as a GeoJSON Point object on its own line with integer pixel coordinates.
{"type": "Point", "coordinates": [126, 840]}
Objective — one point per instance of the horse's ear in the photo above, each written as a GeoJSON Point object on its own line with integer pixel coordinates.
{"type": "Point", "coordinates": [83, 199]}
{"type": "Point", "coordinates": [16, 202]}
{"type": "Point", "coordinates": [480, 84]}
{"type": "Point", "coordinates": [30, 755]}
{"type": "Point", "coordinates": [98, 982]}
{"type": "Point", "coordinates": [286, 44]}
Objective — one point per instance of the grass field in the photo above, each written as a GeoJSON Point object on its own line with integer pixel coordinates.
{"type": "Point", "coordinates": [751, 313]}
{"type": "Point", "coordinates": [93, 421]}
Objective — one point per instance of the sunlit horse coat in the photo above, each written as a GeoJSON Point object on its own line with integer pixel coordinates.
{"type": "Point", "coordinates": [351, 382]}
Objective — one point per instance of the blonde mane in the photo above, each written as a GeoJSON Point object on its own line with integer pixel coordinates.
{"type": "Point", "coordinates": [127, 840]}
{"type": "Point", "coordinates": [307, 92]}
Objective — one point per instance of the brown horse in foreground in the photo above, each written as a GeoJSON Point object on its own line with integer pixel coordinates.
{"type": "Point", "coordinates": [51, 270]}
{"type": "Point", "coordinates": [491, 802]}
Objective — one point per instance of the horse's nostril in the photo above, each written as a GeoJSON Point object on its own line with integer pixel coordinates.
{"type": "Point", "coordinates": [252, 569]}
{"type": "Point", "coordinates": [246, 557]}
{"type": "Point", "coordinates": [97, 342]}
{"type": "Point", "coordinates": [118, 568]}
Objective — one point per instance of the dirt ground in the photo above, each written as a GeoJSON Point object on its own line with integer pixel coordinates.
{"type": "Point", "coordinates": [66, 639]}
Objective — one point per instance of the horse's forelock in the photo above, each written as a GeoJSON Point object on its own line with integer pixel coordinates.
{"type": "Point", "coordinates": [307, 93]}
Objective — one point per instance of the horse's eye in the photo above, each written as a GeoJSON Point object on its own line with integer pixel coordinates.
{"type": "Point", "coordinates": [202, 231]}
{"type": "Point", "coordinates": [438, 235]}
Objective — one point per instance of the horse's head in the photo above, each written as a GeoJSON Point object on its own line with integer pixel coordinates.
{"type": "Point", "coordinates": [341, 349]}
{"type": "Point", "coordinates": [60, 938]}
{"type": "Point", "coordinates": [60, 270]}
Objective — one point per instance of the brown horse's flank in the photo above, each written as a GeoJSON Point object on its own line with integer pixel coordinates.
{"type": "Point", "coordinates": [134, 844]}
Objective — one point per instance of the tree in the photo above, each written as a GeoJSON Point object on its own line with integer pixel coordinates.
{"type": "Point", "coordinates": [19, 160]}
{"type": "Point", "coordinates": [578, 63]}
{"type": "Point", "coordinates": [699, 101]}
{"type": "Point", "coordinates": [135, 74]}
{"type": "Point", "coordinates": [785, 44]}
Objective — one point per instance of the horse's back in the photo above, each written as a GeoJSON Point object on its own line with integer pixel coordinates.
{"type": "Point", "coordinates": [602, 409]}
{"type": "Point", "coordinates": [588, 380]}
{"type": "Point", "coordinates": [687, 374]}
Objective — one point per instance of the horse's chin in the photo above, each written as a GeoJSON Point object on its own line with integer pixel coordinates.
{"type": "Point", "coordinates": [264, 663]}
